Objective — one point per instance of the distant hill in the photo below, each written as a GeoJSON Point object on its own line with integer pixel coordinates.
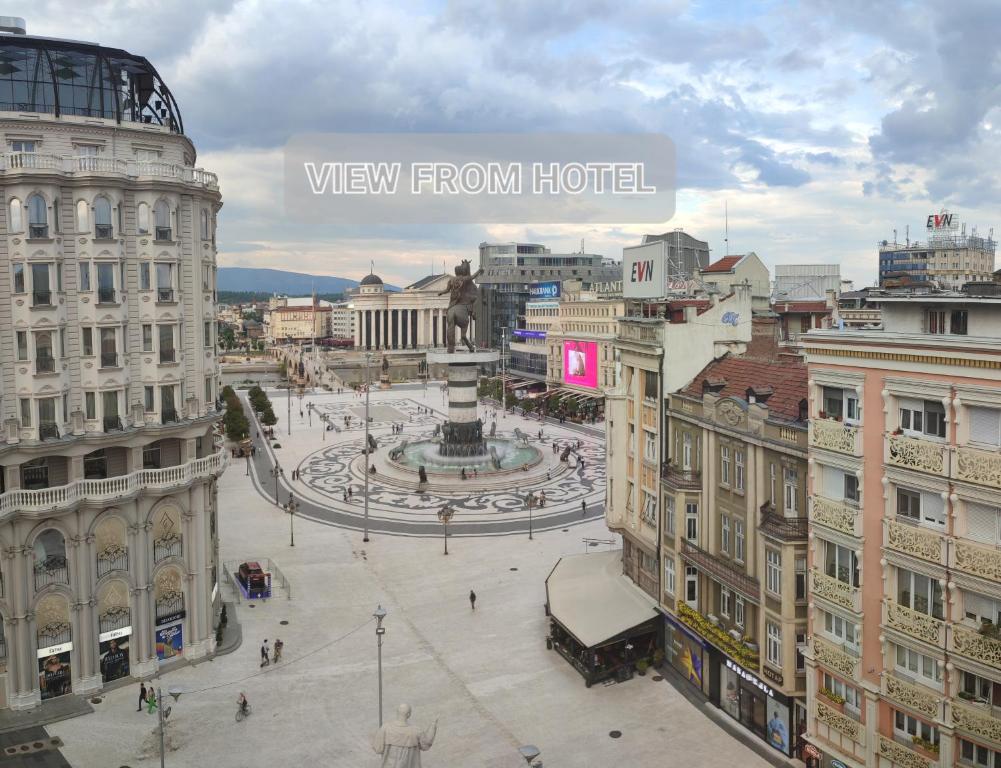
{"type": "Point", "coordinates": [279, 281]}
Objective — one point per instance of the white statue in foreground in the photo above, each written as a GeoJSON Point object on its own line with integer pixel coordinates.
{"type": "Point", "coordinates": [400, 743]}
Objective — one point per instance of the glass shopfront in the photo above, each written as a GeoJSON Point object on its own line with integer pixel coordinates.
{"type": "Point", "coordinates": [756, 705]}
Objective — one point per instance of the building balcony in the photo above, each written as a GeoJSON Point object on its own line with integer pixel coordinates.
{"type": "Point", "coordinates": [749, 657]}
{"type": "Point", "coordinates": [170, 545]}
{"type": "Point", "coordinates": [719, 569]}
{"type": "Point", "coordinates": [977, 560]}
{"type": "Point", "coordinates": [840, 722]}
{"type": "Point", "coordinates": [832, 435]}
{"type": "Point", "coordinates": [975, 645]}
{"type": "Point", "coordinates": [836, 591]}
{"type": "Point", "coordinates": [52, 570]}
{"type": "Point", "coordinates": [63, 497]}
{"type": "Point", "coordinates": [914, 540]}
{"type": "Point", "coordinates": [681, 479]}
{"type": "Point", "coordinates": [106, 296]}
{"type": "Point", "coordinates": [783, 528]}
{"type": "Point", "coordinates": [834, 657]}
{"type": "Point", "coordinates": [109, 360]}
{"type": "Point", "coordinates": [45, 364]}
{"type": "Point", "coordinates": [915, 697]}
{"type": "Point", "coordinates": [901, 755]}
{"type": "Point", "coordinates": [113, 424]}
{"type": "Point", "coordinates": [41, 298]}
{"type": "Point", "coordinates": [103, 232]}
{"type": "Point", "coordinates": [914, 624]}
{"type": "Point", "coordinates": [165, 296]}
{"type": "Point", "coordinates": [70, 166]}
{"type": "Point", "coordinates": [979, 467]}
{"type": "Point", "coordinates": [162, 234]}
{"type": "Point", "coordinates": [168, 356]}
{"type": "Point", "coordinates": [38, 231]}
{"type": "Point", "coordinates": [977, 722]}
{"type": "Point", "coordinates": [836, 515]}
{"type": "Point", "coordinates": [48, 430]}
{"type": "Point", "coordinates": [114, 558]}
{"type": "Point", "coordinates": [918, 455]}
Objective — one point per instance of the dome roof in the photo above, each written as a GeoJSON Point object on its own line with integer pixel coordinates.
{"type": "Point", "coordinates": [371, 279]}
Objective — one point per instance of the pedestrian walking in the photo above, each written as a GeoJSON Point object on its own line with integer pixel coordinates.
{"type": "Point", "coordinates": [472, 600]}
{"type": "Point", "coordinates": [542, 498]}
{"type": "Point", "coordinates": [345, 492]}
{"type": "Point", "coordinates": [151, 701]}
{"type": "Point", "coordinates": [583, 507]}
{"type": "Point", "coordinates": [351, 493]}
{"type": "Point", "coordinates": [265, 653]}
{"type": "Point", "coordinates": [142, 696]}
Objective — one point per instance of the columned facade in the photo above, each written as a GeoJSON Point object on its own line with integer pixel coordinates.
{"type": "Point", "coordinates": [413, 318]}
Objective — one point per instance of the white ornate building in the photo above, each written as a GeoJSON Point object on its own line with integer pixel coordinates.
{"type": "Point", "coordinates": [407, 319]}
{"type": "Point", "coordinates": [108, 374]}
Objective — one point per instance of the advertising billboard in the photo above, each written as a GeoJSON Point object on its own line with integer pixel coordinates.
{"type": "Point", "coordinates": [643, 271]}
{"type": "Point", "coordinates": [580, 363]}
{"type": "Point", "coordinates": [549, 290]}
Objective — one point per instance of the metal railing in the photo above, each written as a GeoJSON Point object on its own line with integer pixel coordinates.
{"type": "Point", "coordinates": [109, 360]}
{"type": "Point", "coordinates": [103, 231]}
{"type": "Point", "coordinates": [105, 295]}
{"type": "Point", "coordinates": [162, 233]}
{"type": "Point", "coordinates": [169, 415]}
{"type": "Point", "coordinates": [45, 364]}
{"type": "Point", "coordinates": [112, 424]}
{"type": "Point", "coordinates": [38, 231]}
{"type": "Point", "coordinates": [168, 356]}
{"type": "Point", "coordinates": [164, 294]}
{"type": "Point", "coordinates": [48, 431]}
{"type": "Point", "coordinates": [169, 546]}
{"type": "Point", "coordinates": [41, 298]}
{"type": "Point", "coordinates": [112, 560]}
{"type": "Point", "coordinates": [52, 570]}
{"type": "Point", "coordinates": [690, 479]}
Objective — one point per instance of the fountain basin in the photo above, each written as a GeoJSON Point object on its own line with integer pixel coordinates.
{"type": "Point", "coordinates": [512, 455]}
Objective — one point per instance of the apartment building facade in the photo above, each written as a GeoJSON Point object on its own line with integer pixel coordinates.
{"type": "Point", "coordinates": [904, 659]}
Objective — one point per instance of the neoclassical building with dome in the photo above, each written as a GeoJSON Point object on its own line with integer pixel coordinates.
{"type": "Point", "coordinates": [408, 319]}
{"type": "Point", "coordinates": [108, 373]}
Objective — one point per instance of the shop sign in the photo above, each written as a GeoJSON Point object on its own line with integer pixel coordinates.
{"type": "Point", "coordinates": [114, 634]}
{"type": "Point", "coordinates": [170, 618]}
{"type": "Point", "coordinates": [544, 290]}
{"type": "Point", "coordinates": [748, 677]}
{"type": "Point", "coordinates": [771, 674]}
{"type": "Point", "coordinates": [55, 650]}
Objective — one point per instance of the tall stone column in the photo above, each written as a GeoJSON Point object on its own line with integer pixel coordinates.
{"type": "Point", "coordinates": [141, 645]}
{"type": "Point", "coordinates": [24, 687]}
{"type": "Point", "coordinates": [396, 329]}
{"type": "Point", "coordinates": [356, 329]}
{"type": "Point", "coordinates": [89, 650]}
{"type": "Point", "coordinates": [405, 339]}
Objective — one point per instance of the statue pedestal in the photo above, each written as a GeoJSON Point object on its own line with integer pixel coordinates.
{"type": "Point", "coordinates": [462, 436]}
{"type": "Point", "coordinates": [384, 382]}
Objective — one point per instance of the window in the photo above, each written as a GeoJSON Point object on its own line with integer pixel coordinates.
{"type": "Point", "coordinates": [47, 412]}
{"type": "Point", "coordinates": [724, 464]}
{"type": "Point", "coordinates": [800, 659]}
{"type": "Point", "coordinates": [22, 345]}
{"type": "Point", "coordinates": [919, 593]}
{"type": "Point", "coordinates": [771, 479]}
{"type": "Point", "coordinates": [957, 321]}
{"type": "Point", "coordinates": [208, 389]}
{"type": "Point", "coordinates": [692, 522]}
{"type": "Point", "coordinates": [166, 343]}
{"type": "Point", "coordinates": [978, 755]}
{"type": "Point", "coordinates": [980, 688]}
{"type": "Point", "coordinates": [40, 288]}
{"type": "Point", "coordinates": [650, 385]}
{"type": "Point", "coordinates": [649, 446]}
{"type": "Point", "coordinates": [44, 359]}
{"type": "Point", "coordinates": [90, 405]}
{"type": "Point", "coordinates": [738, 540]}
{"type": "Point", "coordinates": [935, 321]}
{"type": "Point", "coordinates": [983, 523]}
{"type": "Point", "coordinates": [669, 515]}
{"type": "Point", "coordinates": [922, 418]}
{"type": "Point", "coordinates": [841, 404]}
{"type": "Point", "coordinates": [18, 277]}
{"type": "Point", "coordinates": [649, 508]}
{"type": "Point", "coordinates": [686, 453]}
{"type": "Point", "coordinates": [147, 337]}
{"type": "Point", "coordinates": [981, 609]}
{"type": "Point", "coordinates": [149, 399]}
{"type": "Point", "coordinates": [738, 611]}
{"type": "Point", "coordinates": [25, 412]}
{"type": "Point", "coordinates": [87, 334]}
{"type": "Point", "coordinates": [800, 577]}
{"type": "Point", "coordinates": [906, 725]}
{"type": "Point", "coordinates": [167, 408]}
{"type": "Point", "coordinates": [164, 281]}
{"type": "Point", "coordinates": [102, 219]}
{"type": "Point", "coordinates": [161, 213]}
{"type": "Point", "coordinates": [724, 534]}
{"type": "Point", "coordinates": [916, 664]}
{"type": "Point", "coordinates": [985, 426]}
{"type": "Point", "coordinates": [921, 507]}
{"type": "Point", "coordinates": [16, 223]}
{"type": "Point", "coordinates": [691, 586]}
{"type": "Point", "coordinates": [738, 462]}
{"type": "Point", "coordinates": [851, 489]}
{"type": "Point", "coordinates": [109, 349]}
{"type": "Point", "coordinates": [144, 276]}
{"type": "Point", "coordinates": [82, 216]}
{"type": "Point", "coordinates": [38, 217]}
{"type": "Point", "coordinates": [725, 602]}
{"type": "Point", "coordinates": [84, 275]}
{"type": "Point", "coordinates": [151, 456]}
{"type": "Point", "coordinates": [22, 145]}
{"type": "Point", "coordinates": [142, 219]}
{"type": "Point", "coordinates": [841, 563]}
{"type": "Point", "coordinates": [851, 695]}
{"type": "Point", "coordinates": [773, 644]}
{"type": "Point", "coordinates": [208, 333]}
{"type": "Point", "coordinates": [105, 282]}
{"type": "Point", "coordinates": [669, 585]}
{"type": "Point", "coordinates": [843, 631]}
{"type": "Point", "coordinates": [790, 483]}
{"type": "Point", "coordinates": [773, 572]}
{"type": "Point", "coordinates": [206, 277]}
{"type": "Point", "coordinates": [205, 224]}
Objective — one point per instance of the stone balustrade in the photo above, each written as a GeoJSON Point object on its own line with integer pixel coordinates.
{"type": "Point", "coordinates": [837, 515]}
{"type": "Point", "coordinates": [916, 454]}
{"type": "Point", "coordinates": [901, 755]}
{"type": "Point", "coordinates": [911, 696]}
{"type": "Point", "coordinates": [977, 560]}
{"type": "Point", "coordinates": [833, 435]}
{"type": "Point", "coordinates": [836, 591]}
{"type": "Point", "coordinates": [976, 466]}
{"type": "Point", "coordinates": [915, 541]}
{"type": "Point", "coordinates": [972, 644]}
{"type": "Point", "coordinates": [67, 165]}
{"type": "Point", "coordinates": [920, 626]}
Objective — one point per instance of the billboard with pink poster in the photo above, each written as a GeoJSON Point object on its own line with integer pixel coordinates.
{"type": "Point", "coordinates": [580, 363]}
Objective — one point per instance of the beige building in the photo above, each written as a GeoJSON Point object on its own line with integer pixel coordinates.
{"type": "Point", "coordinates": [407, 319]}
{"type": "Point", "coordinates": [730, 271]}
{"type": "Point", "coordinates": [584, 318]}
{"type": "Point", "coordinates": [109, 378]}
{"type": "Point", "coordinates": [904, 663]}
{"type": "Point", "coordinates": [299, 323]}
{"type": "Point", "coordinates": [734, 537]}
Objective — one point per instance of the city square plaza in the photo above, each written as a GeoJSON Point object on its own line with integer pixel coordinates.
{"type": "Point", "coordinates": [486, 674]}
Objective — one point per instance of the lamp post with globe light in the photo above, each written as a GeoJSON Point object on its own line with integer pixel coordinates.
{"type": "Point", "coordinates": [379, 615]}
{"type": "Point", "coordinates": [291, 507]}
{"type": "Point", "coordinates": [277, 472]}
{"type": "Point", "coordinates": [445, 515]}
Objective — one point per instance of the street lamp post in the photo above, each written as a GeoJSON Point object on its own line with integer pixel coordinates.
{"type": "Point", "coordinates": [503, 373]}
{"type": "Point", "coordinates": [176, 694]}
{"type": "Point", "coordinates": [368, 361]}
{"type": "Point", "coordinates": [291, 507]}
{"type": "Point", "coordinates": [445, 516]}
{"type": "Point", "coordinates": [530, 502]}
{"type": "Point", "coordinates": [379, 615]}
{"type": "Point", "coordinates": [277, 472]}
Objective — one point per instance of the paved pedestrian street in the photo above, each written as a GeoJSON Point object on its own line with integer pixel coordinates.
{"type": "Point", "coordinates": [486, 674]}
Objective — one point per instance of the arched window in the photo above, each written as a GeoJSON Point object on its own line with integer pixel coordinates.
{"type": "Point", "coordinates": [142, 214]}
{"type": "Point", "coordinates": [16, 217]}
{"type": "Point", "coordinates": [82, 216]}
{"type": "Point", "coordinates": [50, 559]}
{"type": "Point", "coordinates": [205, 224]}
{"type": "Point", "coordinates": [38, 219]}
{"type": "Point", "coordinates": [161, 212]}
{"type": "Point", "coordinates": [102, 219]}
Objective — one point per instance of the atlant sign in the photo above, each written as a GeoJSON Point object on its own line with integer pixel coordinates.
{"type": "Point", "coordinates": [940, 221]}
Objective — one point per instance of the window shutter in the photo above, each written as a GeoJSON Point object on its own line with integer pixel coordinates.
{"type": "Point", "coordinates": [985, 425]}
{"type": "Point", "coordinates": [834, 484]}
{"type": "Point", "coordinates": [982, 523]}
{"type": "Point", "coordinates": [932, 508]}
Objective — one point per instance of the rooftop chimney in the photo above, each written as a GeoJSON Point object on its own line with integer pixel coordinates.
{"type": "Point", "coordinates": [12, 25]}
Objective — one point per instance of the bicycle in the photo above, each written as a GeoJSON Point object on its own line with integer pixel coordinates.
{"type": "Point", "coordinates": [243, 712]}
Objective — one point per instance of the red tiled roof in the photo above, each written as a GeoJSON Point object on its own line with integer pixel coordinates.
{"type": "Point", "coordinates": [723, 265]}
{"type": "Point", "coordinates": [782, 307]}
{"type": "Point", "coordinates": [787, 378]}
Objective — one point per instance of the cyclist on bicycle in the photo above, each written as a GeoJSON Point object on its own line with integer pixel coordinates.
{"type": "Point", "coordinates": [243, 703]}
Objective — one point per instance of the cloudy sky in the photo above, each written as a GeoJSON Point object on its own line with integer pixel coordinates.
{"type": "Point", "coordinates": [821, 124]}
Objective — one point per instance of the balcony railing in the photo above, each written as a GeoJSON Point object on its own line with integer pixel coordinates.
{"type": "Point", "coordinates": [832, 435]}
{"type": "Point", "coordinates": [70, 165]}
{"type": "Point", "coordinates": [109, 360]}
{"type": "Point", "coordinates": [38, 231]}
{"type": "Point", "coordinates": [840, 722]}
{"type": "Point", "coordinates": [900, 755]}
{"type": "Point", "coordinates": [976, 466]}
{"type": "Point", "coordinates": [168, 546]}
{"type": "Point", "coordinates": [108, 489]}
{"type": "Point", "coordinates": [114, 558]}
{"type": "Point", "coordinates": [112, 424]}
{"type": "Point", "coordinates": [914, 540]}
{"type": "Point", "coordinates": [974, 645]}
{"type": "Point", "coordinates": [169, 416]}
{"type": "Point", "coordinates": [106, 296]}
{"type": "Point", "coordinates": [168, 356]}
{"type": "Point", "coordinates": [912, 696]}
{"type": "Point", "coordinates": [748, 657]}
{"type": "Point", "coordinates": [977, 559]}
{"type": "Point", "coordinates": [165, 295]}
{"type": "Point", "coordinates": [45, 364]}
{"type": "Point", "coordinates": [52, 570]}
{"type": "Point", "coordinates": [681, 479]}
{"type": "Point", "coordinates": [780, 527]}
{"type": "Point", "coordinates": [719, 569]}
{"type": "Point", "coordinates": [41, 298]}
{"type": "Point", "coordinates": [916, 454]}
{"type": "Point", "coordinates": [103, 231]}
{"type": "Point", "coordinates": [834, 657]}
{"type": "Point", "coordinates": [836, 591]}
{"type": "Point", "coordinates": [48, 431]}
{"type": "Point", "coordinates": [914, 624]}
{"type": "Point", "coordinates": [971, 719]}
{"type": "Point", "coordinates": [162, 233]}
{"type": "Point", "coordinates": [837, 515]}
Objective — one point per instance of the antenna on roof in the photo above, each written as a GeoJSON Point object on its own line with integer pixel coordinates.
{"type": "Point", "coordinates": [908, 235]}
{"type": "Point", "coordinates": [726, 227]}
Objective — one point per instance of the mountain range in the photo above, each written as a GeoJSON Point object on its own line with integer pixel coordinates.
{"type": "Point", "coordinates": [280, 281]}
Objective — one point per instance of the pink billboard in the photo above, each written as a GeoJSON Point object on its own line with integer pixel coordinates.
{"type": "Point", "coordinates": [580, 363]}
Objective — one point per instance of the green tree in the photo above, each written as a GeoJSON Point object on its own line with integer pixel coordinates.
{"type": "Point", "coordinates": [236, 425]}
{"type": "Point", "coordinates": [268, 418]}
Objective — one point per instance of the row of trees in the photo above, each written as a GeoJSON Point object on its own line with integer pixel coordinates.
{"type": "Point", "coordinates": [234, 422]}
{"type": "Point", "coordinates": [261, 404]}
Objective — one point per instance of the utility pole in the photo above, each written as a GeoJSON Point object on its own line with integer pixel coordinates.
{"type": "Point", "coordinates": [368, 361]}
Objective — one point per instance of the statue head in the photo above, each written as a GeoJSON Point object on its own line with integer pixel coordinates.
{"type": "Point", "coordinates": [462, 269]}
{"type": "Point", "coordinates": [403, 713]}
